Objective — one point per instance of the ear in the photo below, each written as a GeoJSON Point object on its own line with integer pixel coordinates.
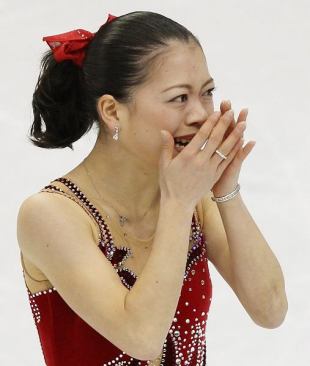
{"type": "Point", "coordinates": [108, 111]}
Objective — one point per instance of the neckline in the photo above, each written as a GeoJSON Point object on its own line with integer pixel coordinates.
{"type": "Point", "coordinates": [195, 219]}
{"type": "Point", "coordinates": [121, 254]}
{"type": "Point", "coordinates": [105, 217]}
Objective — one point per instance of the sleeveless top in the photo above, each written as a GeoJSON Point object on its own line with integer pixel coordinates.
{"type": "Point", "coordinates": [67, 340]}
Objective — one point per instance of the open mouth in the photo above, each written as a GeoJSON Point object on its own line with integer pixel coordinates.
{"type": "Point", "coordinates": [180, 144]}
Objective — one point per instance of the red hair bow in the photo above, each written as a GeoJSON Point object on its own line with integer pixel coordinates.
{"type": "Point", "coordinates": [71, 45]}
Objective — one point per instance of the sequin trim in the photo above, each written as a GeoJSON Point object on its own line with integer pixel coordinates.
{"type": "Point", "coordinates": [118, 255]}
{"type": "Point", "coordinates": [33, 304]}
{"type": "Point", "coordinates": [176, 342]}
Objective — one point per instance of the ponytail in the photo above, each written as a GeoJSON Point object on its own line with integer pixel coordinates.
{"type": "Point", "coordinates": [58, 102]}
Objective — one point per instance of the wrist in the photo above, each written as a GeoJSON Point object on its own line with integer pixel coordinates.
{"type": "Point", "coordinates": [176, 207]}
{"type": "Point", "coordinates": [233, 202]}
{"type": "Point", "coordinates": [221, 197]}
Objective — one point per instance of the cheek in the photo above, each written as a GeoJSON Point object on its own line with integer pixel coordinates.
{"type": "Point", "coordinates": [169, 120]}
{"type": "Point", "coordinates": [148, 136]}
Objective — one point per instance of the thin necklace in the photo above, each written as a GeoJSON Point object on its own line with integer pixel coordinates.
{"type": "Point", "coordinates": [122, 219]}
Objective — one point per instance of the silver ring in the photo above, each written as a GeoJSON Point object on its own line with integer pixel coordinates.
{"type": "Point", "coordinates": [220, 154]}
{"type": "Point", "coordinates": [204, 145]}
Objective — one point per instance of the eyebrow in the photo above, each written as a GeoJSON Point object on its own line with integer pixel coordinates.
{"type": "Point", "coordinates": [187, 85]}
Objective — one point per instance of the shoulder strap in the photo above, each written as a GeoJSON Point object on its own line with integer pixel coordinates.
{"type": "Point", "coordinates": [53, 189]}
{"type": "Point", "coordinates": [116, 255]}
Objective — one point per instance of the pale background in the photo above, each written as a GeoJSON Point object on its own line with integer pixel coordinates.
{"type": "Point", "coordinates": [258, 52]}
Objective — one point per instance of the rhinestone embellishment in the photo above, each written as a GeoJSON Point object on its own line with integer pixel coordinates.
{"type": "Point", "coordinates": [185, 342]}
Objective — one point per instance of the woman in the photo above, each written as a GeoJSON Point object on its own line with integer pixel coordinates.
{"type": "Point", "coordinates": [115, 252]}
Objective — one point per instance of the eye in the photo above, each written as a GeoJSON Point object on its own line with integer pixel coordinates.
{"type": "Point", "coordinates": [182, 95]}
{"type": "Point", "coordinates": [209, 91]}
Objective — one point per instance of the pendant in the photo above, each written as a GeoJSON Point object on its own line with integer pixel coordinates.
{"type": "Point", "coordinates": [122, 220]}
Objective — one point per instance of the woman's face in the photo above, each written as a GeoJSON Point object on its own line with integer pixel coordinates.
{"type": "Point", "coordinates": [160, 104]}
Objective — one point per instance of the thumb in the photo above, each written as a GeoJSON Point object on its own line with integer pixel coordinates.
{"type": "Point", "coordinates": [167, 148]}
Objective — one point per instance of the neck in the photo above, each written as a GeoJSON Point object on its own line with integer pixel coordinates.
{"type": "Point", "coordinates": [123, 180]}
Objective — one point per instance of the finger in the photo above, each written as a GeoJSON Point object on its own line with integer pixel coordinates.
{"type": "Point", "coordinates": [227, 146]}
{"type": "Point", "coordinates": [231, 156]}
{"type": "Point", "coordinates": [245, 151]}
{"type": "Point", "coordinates": [230, 127]}
{"type": "Point", "coordinates": [242, 115]}
{"type": "Point", "coordinates": [215, 136]}
{"type": "Point", "coordinates": [225, 106]}
{"type": "Point", "coordinates": [214, 128]}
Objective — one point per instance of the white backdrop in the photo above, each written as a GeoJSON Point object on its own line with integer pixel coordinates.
{"type": "Point", "coordinates": [258, 52]}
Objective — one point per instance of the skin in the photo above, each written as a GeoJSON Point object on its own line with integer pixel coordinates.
{"type": "Point", "coordinates": [126, 170]}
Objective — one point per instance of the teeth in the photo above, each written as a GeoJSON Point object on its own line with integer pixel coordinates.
{"type": "Point", "coordinates": [182, 140]}
{"type": "Point", "coordinates": [181, 143]}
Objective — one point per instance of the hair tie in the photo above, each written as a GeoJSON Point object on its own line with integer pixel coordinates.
{"type": "Point", "coordinates": [71, 45]}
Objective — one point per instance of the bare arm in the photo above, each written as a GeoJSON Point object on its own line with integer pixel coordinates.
{"type": "Point", "coordinates": [153, 299]}
{"type": "Point", "coordinates": [91, 286]}
{"type": "Point", "coordinates": [244, 259]}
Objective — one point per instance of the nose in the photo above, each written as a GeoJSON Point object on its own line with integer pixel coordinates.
{"type": "Point", "coordinates": [199, 113]}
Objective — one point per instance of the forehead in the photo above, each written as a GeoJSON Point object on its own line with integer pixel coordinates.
{"type": "Point", "coordinates": [180, 62]}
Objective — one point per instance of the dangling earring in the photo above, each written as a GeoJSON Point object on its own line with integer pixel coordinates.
{"type": "Point", "coordinates": [115, 136]}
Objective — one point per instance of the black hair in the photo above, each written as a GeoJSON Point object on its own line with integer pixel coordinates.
{"type": "Point", "coordinates": [118, 59]}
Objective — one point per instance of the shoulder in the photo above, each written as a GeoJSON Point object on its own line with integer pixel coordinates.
{"type": "Point", "coordinates": [49, 203]}
{"type": "Point", "coordinates": [43, 209]}
{"type": "Point", "coordinates": [65, 199]}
